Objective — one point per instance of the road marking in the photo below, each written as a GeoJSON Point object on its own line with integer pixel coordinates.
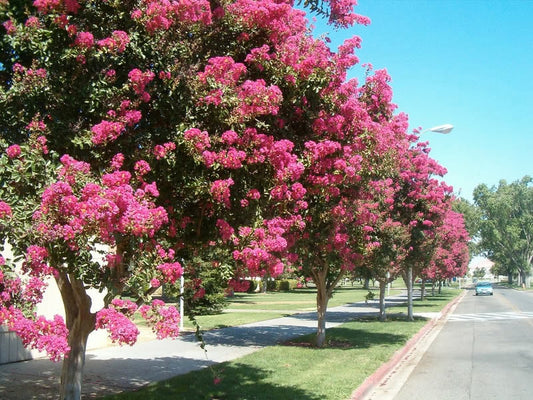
{"type": "Point", "coordinates": [495, 316]}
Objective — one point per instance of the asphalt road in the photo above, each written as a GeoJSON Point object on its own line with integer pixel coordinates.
{"type": "Point", "coordinates": [483, 351]}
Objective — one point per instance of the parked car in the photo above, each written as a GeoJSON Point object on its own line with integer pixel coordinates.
{"type": "Point", "coordinates": [484, 288]}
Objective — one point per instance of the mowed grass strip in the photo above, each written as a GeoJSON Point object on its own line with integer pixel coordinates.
{"type": "Point", "coordinates": [295, 370]}
{"type": "Point", "coordinates": [245, 308]}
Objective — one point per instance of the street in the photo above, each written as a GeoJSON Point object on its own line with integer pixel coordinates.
{"type": "Point", "coordinates": [482, 352]}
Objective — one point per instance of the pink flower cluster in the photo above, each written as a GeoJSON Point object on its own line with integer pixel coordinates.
{"type": "Point", "coordinates": [226, 230]}
{"type": "Point", "coordinates": [139, 80]}
{"type": "Point", "coordinates": [84, 40]}
{"type": "Point", "coordinates": [117, 42]}
{"type": "Point", "coordinates": [13, 151]}
{"type": "Point", "coordinates": [342, 14]}
{"type": "Point", "coordinates": [160, 15]}
{"type": "Point", "coordinates": [220, 190]}
{"type": "Point", "coordinates": [171, 271]}
{"type": "Point", "coordinates": [5, 210]}
{"type": "Point", "coordinates": [36, 332]}
{"type": "Point", "coordinates": [107, 131]}
{"type": "Point", "coordinates": [116, 319]}
{"type": "Point", "coordinates": [160, 151]}
{"type": "Point", "coordinates": [198, 139]}
{"type": "Point", "coordinates": [163, 319]}
{"type": "Point", "coordinates": [239, 285]}
{"type": "Point", "coordinates": [36, 261]}
{"type": "Point", "coordinates": [223, 71]}
{"type": "Point", "coordinates": [106, 209]}
{"type": "Point", "coordinates": [10, 27]}
{"type": "Point", "coordinates": [277, 18]}
{"type": "Point", "coordinates": [262, 248]}
{"type": "Point", "coordinates": [49, 6]}
{"type": "Point", "coordinates": [258, 99]}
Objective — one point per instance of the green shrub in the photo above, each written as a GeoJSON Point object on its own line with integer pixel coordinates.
{"type": "Point", "coordinates": [272, 285]}
{"type": "Point", "coordinates": [253, 286]}
{"type": "Point", "coordinates": [205, 288]}
{"type": "Point", "coordinates": [287, 284]}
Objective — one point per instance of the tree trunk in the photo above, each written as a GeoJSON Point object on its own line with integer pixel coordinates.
{"type": "Point", "coordinates": [409, 283]}
{"type": "Point", "coordinates": [80, 323]}
{"type": "Point", "coordinates": [322, 298]}
{"type": "Point", "coordinates": [264, 284]}
{"type": "Point", "coordinates": [382, 288]}
{"type": "Point", "coordinates": [423, 289]}
{"type": "Point", "coordinates": [72, 370]}
{"type": "Point", "coordinates": [321, 307]}
{"type": "Point", "coordinates": [366, 285]}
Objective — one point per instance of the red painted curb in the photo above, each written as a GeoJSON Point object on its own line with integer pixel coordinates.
{"type": "Point", "coordinates": [370, 382]}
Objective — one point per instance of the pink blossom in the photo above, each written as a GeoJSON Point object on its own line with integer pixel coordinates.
{"type": "Point", "coordinates": [117, 42]}
{"type": "Point", "coordinates": [222, 70]}
{"type": "Point", "coordinates": [140, 79]}
{"type": "Point", "coordinates": [121, 329]}
{"type": "Point", "coordinates": [226, 230]}
{"type": "Point", "coordinates": [106, 131]}
{"type": "Point", "coordinates": [142, 167]}
{"type": "Point", "coordinates": [253, 194]}
{"type": "Point", "coordinates": [160, 151]}
{"type": "Point", "coordinates": [258, 99]}
{"type": "Point", "coordinates": [117, 161]}
{"type": "Point", "coordinates": [84, 40]}
{"type": "Point", "coordinates": [10, 27]}
{"type": "Point", "coordinates": [32, 22]}
{"type": "Point", "coordinates": [230, 137]}
{"type": "Point", "coordinates": [220, 190]}
{"type": "Point", "coordinates": [199, 139]}
{"type": "Point", "coordinates": [232, 158]}
{"type": "Point", "coordinates": [164, 320]}
{"type": "Point", "coordinates": [5, 210]}
{"type": "Point", "coordinates": [13, 151]}
{"type": "Point", "coordinates": [171, 271]}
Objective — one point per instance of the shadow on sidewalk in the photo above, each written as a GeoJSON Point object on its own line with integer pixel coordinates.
{"type": "Point", "coordinates": [101, 377]}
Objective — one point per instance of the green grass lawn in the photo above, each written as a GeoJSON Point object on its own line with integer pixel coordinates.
{"type": "Point", "coordinates": [246, 308]}
{"type": "Point", "coordinates": [296, 370]}
{"type": "Point", "coordinates": [293, 370]}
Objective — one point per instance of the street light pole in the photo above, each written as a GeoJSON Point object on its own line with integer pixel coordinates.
{"type": "Point", "coordinates": [444, 129]}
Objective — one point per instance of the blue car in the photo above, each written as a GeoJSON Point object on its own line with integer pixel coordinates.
{"type": "Point", "coordinates": [484, 288]}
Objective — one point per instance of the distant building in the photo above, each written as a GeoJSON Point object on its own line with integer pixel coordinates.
{"type": "Point", "coordinates": [480, 263]}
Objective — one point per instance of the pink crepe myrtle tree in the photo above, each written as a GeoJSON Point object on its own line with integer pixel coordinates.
{"type": "Point", "coordinates": [360, 138]}
{"type": "Point", "coordinates": [389, 238]}
{"type": "Point", "coordinates": [420, 204]}
{"type": "Point", "coordinates": [173, 129]}
{"type": "Point", "coordinates": [451, 256]}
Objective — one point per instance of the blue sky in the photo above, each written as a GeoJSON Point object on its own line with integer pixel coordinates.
{"type": "Point", "coordinates": [464, 62]}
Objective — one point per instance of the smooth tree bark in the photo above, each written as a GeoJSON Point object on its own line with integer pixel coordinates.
{"type": "Point", "coordinates": [382, 291]}
{"type": "Point", "coordinates": [409, 284]}
{"type": "Point", "coordinates": [80, 323]}
{"type": "Point", "coordinates": [324, 292]}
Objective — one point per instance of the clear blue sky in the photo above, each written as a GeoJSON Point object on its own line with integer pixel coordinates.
{"type": "Point", "coordinates": [464, 62]}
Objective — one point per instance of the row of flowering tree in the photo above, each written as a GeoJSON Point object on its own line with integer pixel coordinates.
{"type": "Point", "coordinates": [219, 131]}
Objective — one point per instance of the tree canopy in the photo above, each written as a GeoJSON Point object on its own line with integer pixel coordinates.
{"type": "Point", "coordinates": [506, 228]}
{"type": "Point", "coordinates": [213, 132]}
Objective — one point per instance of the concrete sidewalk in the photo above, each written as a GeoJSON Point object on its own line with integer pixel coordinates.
{"type": "Point", "coordinates": [116, 369]}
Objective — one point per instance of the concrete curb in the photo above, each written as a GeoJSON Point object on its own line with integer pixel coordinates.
{"type": "Point", "coordinates": [382, 372]}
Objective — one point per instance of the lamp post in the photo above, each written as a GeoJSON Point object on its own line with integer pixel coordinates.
{"type": "Point", "coordinates": [444, 129]}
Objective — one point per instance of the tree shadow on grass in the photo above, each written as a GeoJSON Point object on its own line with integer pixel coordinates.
{"type": "Point", "coordinates": [225, 382]}
{"type": "Point", "coordinates": [347, 338]}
